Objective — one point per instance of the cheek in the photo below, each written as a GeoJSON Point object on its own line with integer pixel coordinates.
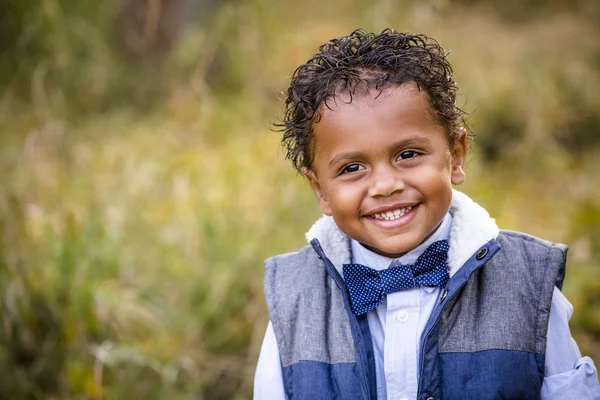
{"type": "Point", "coordinates": [345, 199]}
{"type": "Point", "coordinates": [434, 180]}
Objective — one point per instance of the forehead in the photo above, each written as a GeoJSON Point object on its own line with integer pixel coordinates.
{"type": "Point", "coordinates": [387, 99]}
{"type": "Point", "coordinates": [399, 109]}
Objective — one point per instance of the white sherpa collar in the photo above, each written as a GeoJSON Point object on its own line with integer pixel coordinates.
{"type": "Point", "coordinates": [472, 227]}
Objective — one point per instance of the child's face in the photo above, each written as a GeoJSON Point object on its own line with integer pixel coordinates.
{"type": "Point", "coordinates": [383, 168]}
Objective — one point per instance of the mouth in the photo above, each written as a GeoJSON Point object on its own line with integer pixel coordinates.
{"type": "Point", "coordinates": [392, 214]}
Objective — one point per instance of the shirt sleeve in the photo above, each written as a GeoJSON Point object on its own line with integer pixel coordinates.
{"type": "Point", "coordinates": [268, 380]}
{"type": "Point", "coordinates": [567, 375]}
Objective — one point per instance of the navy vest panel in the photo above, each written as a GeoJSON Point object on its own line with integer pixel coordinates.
{"type": "Point", "coordinates": [491, 374]}
{"type": "Point", "coordinates": [311, 380]}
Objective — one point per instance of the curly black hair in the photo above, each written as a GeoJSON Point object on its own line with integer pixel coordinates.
{"type": "Point", "coordinates": [368, 60]}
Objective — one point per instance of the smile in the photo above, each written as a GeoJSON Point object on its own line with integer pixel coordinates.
{"type": "Point", "coordinates": [393, 214]}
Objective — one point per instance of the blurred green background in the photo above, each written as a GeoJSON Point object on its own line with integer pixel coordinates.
{"type": "Point", "coordinates": [141, 187]}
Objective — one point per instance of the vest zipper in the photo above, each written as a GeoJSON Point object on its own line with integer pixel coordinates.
{"type": "Point", "coordinates": [441, 307]}
{"type": "Point", "coordinates": [425, 337]}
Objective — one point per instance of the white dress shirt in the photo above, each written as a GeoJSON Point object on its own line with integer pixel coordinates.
{"type": "Point", "coordinates": [397, 324]}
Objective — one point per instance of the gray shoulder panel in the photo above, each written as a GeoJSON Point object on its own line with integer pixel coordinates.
{"type": "Point", "coordinates": [506, 303]}
{"type": "Point", "coordinates": [306, 309]}
{"type": "Point", "coordinates": [558, 251]}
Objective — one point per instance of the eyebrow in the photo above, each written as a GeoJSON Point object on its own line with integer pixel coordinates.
{"type": "Point", "coordinates": [342, 156]}
{"type": "Point", "coordinates": [412, 141]}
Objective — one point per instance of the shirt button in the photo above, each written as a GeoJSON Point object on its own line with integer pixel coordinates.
{"type": "Point", "coordinates": [402, 316]}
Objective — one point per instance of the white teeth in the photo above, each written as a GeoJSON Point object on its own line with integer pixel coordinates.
{"type": "Point", "coordinates": [391, 215]}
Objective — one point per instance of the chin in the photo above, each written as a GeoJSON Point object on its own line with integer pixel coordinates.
{"type": "Point", "coordinates": [391, 251]}
{"type": "Point", "coordinates": [399, 247]}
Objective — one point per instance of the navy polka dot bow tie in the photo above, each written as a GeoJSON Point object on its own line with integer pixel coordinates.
{"type": "Point", "coordinates": [368, 287]}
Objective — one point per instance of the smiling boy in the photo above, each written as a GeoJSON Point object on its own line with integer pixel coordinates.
{"type": "Point", "coordinates": [408, 289]}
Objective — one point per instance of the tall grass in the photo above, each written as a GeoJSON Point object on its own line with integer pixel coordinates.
{"type": "Point", "coordinates": [132, 238]}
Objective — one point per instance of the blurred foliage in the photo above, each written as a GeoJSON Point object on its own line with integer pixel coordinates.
{"type": "Point", "coordinates": [142, 189]}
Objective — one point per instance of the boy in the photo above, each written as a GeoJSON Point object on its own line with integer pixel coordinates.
{"type": "Point", "coordinates": [408, 289]}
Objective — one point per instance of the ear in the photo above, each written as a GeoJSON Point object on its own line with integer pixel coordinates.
{"type": "Point", "coordinates": [313, 181]}
{"type": "Point", "coordinates": [459, 157]}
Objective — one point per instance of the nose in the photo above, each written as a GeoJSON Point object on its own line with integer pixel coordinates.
{"type": "Point", "coordinates": [385, 182]}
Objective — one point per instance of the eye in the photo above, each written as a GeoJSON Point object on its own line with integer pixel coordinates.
{"type": "Point", "coordinates": [351, 168]}
{"type": "Point", "coordinates": [407, 154]}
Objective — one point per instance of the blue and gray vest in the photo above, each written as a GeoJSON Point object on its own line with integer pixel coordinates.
{"type": "Point", "coordinates": [485, 339]}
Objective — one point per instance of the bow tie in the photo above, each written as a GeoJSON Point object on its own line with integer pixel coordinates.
{"type": "Point", "coordinates": [368, 287]}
